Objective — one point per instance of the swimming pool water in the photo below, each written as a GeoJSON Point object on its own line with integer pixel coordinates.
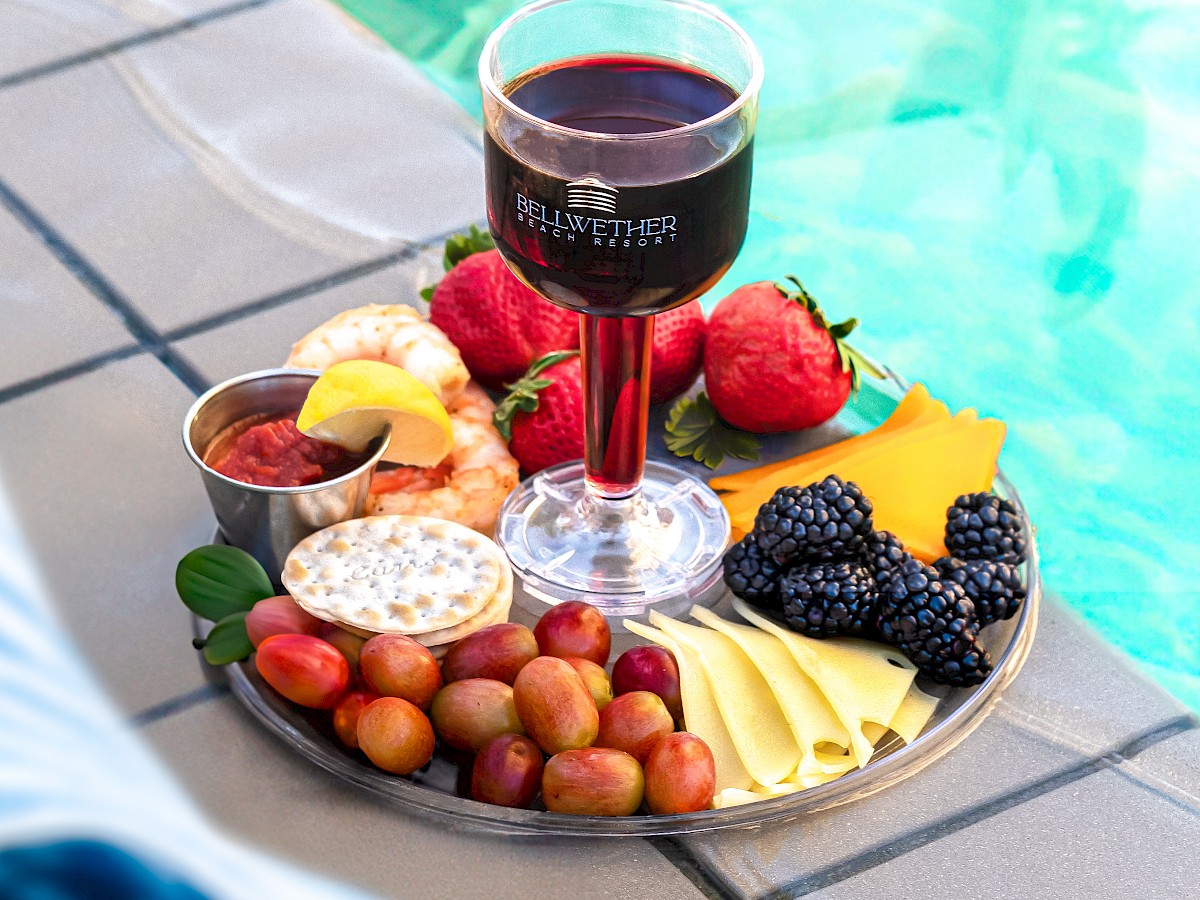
{"type": "Point", "coordinates": [1005, 192]}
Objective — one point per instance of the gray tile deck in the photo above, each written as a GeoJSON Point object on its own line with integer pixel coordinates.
{"type": "Point", "coordinates": [154, 185]}
{"type": "Point", "coordinates": [321, 822]}
{"type": "Point", "coordinates": [267, 128]}
{"type": "Point", "coordinates": [1171, 767]}
{"type": "Point", "coordinates": [59, 321]}
{"type": "Point", "coordinates": [108, 545]}
{"type": "Point", "coordinates": [36, 33]}
{"type": "Point", "coordinates": [263, 340]}
{"type": "Point", "coordinates": [997, 760]}
{"type": "Point", "coordinates": [1080, 691]}
{"type": "Point", "coordinates": [138, 207]}
{"type": "Point", "coordinates": [1098, 837]}
{"type": "Point", "coordinates": [194, 179]}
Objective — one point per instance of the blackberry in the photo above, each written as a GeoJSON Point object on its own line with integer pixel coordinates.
{"type": "Point", "coordinates": [825, 521]}
{"type": "Point", "coordinates": [982, 526]}
{"type": "Point", "coordinates": [752, 575]}
{"type": "Point", "coordinates": [884, 554]}
{"type": "Point", "coordinates": [995, 588]}
{"type": "Point", "coordinates": [969, 667]}
{"type": "Point", "coordinates": [828, 599]}
{"type": "Point", "coordinates": [931, 621]}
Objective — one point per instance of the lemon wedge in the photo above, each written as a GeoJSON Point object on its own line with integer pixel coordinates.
{"type": "Point", "coordinates": [352, 403]}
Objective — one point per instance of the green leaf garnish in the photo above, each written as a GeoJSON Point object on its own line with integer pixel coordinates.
{"type": "Point", "coordinates": [217, 581]}
{"type": "Point", "coordinates": [523, 396]}
{"type": "Point", "coordinates": [852, 360]}
{"type": "Point", "coordinates": [694, 429]}
{"type": "Point", "coordinates": [228, 641]}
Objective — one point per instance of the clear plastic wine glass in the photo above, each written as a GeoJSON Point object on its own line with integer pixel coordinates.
{"type": "Point", "coordinates": [618, 147]}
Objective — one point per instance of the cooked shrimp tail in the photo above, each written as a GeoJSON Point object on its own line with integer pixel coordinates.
{"type": "Point", "coordinates": [393, 334]}
{"type": "Point", "coordinates": [469, 486]}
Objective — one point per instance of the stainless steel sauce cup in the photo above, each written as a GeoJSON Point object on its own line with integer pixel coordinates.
{"type": "Point", "coordinates": [267, 522]}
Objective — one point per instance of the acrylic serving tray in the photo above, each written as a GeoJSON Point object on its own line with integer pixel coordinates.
{"type": "Point", "coordinates": [438, 790]}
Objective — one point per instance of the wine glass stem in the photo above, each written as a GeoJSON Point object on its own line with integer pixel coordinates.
{"type": "Point", "coordinates": [616, 401]}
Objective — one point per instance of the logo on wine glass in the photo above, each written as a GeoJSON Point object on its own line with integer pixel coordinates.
{"type": "Point", "coordinates": [591, 193]}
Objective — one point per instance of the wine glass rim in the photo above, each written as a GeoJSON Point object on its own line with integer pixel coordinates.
{"type": "Point", "coordinates": [496, 91]}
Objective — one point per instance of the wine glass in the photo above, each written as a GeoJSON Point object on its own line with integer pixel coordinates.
{"type": "Point", "coordinates": [618, 156]}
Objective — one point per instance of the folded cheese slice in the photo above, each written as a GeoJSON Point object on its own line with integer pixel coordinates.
{"type": "Point", "coordinates": [757, 724]}
{"type": "Point", "coordinates": [806, 709]}
{"type": "Point", "coordinates": [735, 797]}
{"type": "Point", "coordinates": [914, 713]}
{"type": "Point", "coordinates": [700, 713]}
{"type": "Point", "coordinates": [864, 682]}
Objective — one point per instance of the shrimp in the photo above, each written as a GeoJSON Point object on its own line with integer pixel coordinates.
{"type": "Point", "coordinates": [393, 334]}
{"type": "Point", "coordinates": [468, 486]}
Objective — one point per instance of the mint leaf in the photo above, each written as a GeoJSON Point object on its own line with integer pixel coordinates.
{"type": "Point", "coordinates": [694, 429]}
{"type": "Point", "coordinates": [217, 581]}
{"type": "Point", "coordinates": [228, 641]}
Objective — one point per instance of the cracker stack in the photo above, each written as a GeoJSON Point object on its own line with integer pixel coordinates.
{"type": "Point", "coordinates": [432, 580]}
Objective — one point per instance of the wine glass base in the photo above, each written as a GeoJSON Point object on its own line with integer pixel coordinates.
{"type": "Point", "coordinates": [659, 549]}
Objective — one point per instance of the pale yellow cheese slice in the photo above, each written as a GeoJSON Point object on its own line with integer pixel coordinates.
{"type": "Point", "coordinates": [864, 682]}
{"type": "Point", "coordinates": [826, 764]}
{"type": "Point", "coordinates": [914, 713]}
{"type": "Point", "coordinates": [700, 713]}
{"type": "Point", "coordinates": [735, 797]}
{"type": "Point", "coordinates": [873, 731]}
{"type": "Point", "coordinates": [809, 714]}
{"type": "Point", "coordinates": [754, 718]}
{"type": "Point", "coordinates": [810, 781]}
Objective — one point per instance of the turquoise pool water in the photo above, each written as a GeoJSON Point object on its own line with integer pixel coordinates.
{"type": "Point", "coordinates": [1006, 193]}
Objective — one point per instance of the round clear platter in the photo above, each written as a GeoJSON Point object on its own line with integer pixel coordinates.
{"type": "Point", "coordinates": [438, 790]}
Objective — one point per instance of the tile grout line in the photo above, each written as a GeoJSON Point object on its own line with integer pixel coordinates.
{"type": "Point", "coordinates": [704, 878]}
{"type": "Point", "coordinates": [298, 292]}
{"type": "Point", "coordinates": [918, 838]}
{"type": "Point", "coordinates": [79, 59]}
{"type": "Point", "coordinates": [282, 298]}
{"type": "Point", "coordinates": [48, 379]}
{"type": "Point", "coordinates": [149, 340]}
{"type": "Point", "coordinates": [697, 869]}
{"type": "Point", "coordinates": [1164, 790]}
{"type": "Point", "coordinates": [87, 275]}
{"type": "Point", "coordinates": [181, 703]}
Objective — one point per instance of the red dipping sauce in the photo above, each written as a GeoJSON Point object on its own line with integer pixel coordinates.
{"type": "Point", "coordinates": [270, 451]}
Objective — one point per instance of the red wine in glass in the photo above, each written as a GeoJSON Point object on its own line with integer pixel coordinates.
{"type": "Point", "coordinates": [618, 247]}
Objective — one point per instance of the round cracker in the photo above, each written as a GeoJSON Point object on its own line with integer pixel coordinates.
{"type": "Point", "coordinates": [493, 614]}
{"type": "Point", "coordinates": [397, 574]}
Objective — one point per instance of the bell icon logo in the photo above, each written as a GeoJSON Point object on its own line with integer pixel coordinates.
{"type": "Point", "coordinates": [591, 193]}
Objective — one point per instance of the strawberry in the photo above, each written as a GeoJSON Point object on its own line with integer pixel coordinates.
{"type": "Point", "coordinates": [542, 418]}
{"type": "Point", "coordinates": [773, 362]}
{"type": "Point", "coordinates": [498, 324]}
{"type": "Point", "coordinates": [678, 351]}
